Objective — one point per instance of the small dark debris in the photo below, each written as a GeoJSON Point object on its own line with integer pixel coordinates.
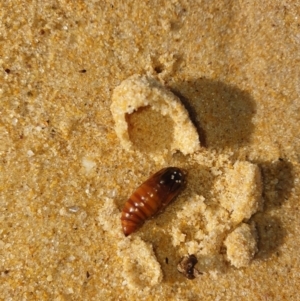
{"type": "Point", "coordinates": [88, 274]}
{"type": "Point", "coordinates": [6, 272]}
{"type": "Point", "coordinates": [83, 71]}
{"type": "Point", "coordinates": [7, 70]}
{"type": "Point", "coordinates": [42, 31]}
{"type": "Point", "coordinates": [186, 266]}
{"type": "Point", "coordinates": [167, 260]}
{"type": "Point", "coordinates": [158, 69]}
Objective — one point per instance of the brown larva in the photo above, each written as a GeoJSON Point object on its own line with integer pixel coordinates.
{"type": "Point", "coordinates": [151, 197]}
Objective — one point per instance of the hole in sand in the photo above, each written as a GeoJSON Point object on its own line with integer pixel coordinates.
{"type": "Point", "coordinates": [149, 130]}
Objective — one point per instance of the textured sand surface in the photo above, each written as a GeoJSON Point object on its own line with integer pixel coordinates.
{"type": "Point", "coordinates": [64, 175]}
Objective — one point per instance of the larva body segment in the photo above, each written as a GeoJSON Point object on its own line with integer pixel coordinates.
{"type": "Point", "coordinates": [151, 197]}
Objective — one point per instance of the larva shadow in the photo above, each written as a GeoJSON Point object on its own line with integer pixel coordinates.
{"type": "Point", "coordinates": [222, 113]}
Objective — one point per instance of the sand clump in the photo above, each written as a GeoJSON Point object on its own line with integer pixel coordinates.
{"type": "Point", "coordinates": [202, 226]}
{"type": "Point", "coordinates": [139, 92]}
{"type": "Point", "coordinates": [216, 229]}
{"type": "Point", "coordinates": [140, 268]}
{"type": "Point", "coordinates": [241, 245]}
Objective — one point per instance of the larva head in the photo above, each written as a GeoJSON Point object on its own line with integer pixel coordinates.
{"type": "Point", "coordinates": [172, 178]}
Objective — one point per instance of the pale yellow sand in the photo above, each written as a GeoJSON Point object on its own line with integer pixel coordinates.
{"type": "Point", "coordinates": [64, 175]}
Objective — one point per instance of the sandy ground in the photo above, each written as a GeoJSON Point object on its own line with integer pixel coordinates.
{"type": "Point", "coordinates": [64, 176]}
